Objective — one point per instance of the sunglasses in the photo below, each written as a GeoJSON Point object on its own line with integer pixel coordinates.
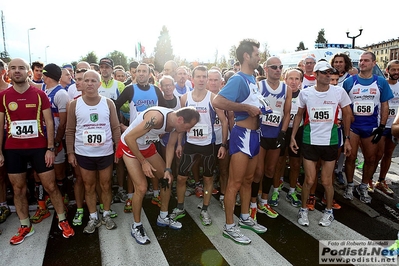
{"type": "Point", "coordinates": [325, 72]}
{"type": "Point", "coordinates": [274, 67]}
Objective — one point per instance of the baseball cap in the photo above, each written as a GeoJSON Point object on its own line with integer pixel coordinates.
{"type": "Point", "coordinates": [321, 66]}
{"type": "Point", "coordinates": [52, 71]}
{"type": "Point", "coordinates": [67, 66]}
{"type": "Point", "coordinates": [309, 56]}
{"type": "Point", "coordinates": [107, 61]}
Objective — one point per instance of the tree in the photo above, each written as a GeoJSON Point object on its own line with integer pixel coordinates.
{"type": "Point", "coordinates": [223, 62]}
{"type": "Point", "coordinates": [301, 47]}
{"type": "Point", "coordinates": [265, 54]}
{"type": "Point", "coordinates": [232, 54]}
{"type": "Point", "coordinates": [91, 57]}
{"type": "Point", "coordinates": [119, 58]}
{"type": "Point", "coordinates": [320, 37]}
{"type": "Point", "coordinates": [163, 51]}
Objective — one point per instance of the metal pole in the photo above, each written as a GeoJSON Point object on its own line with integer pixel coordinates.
{"type": "Point", "coordinates": [45, 53]}
{"type": "Point", "coordinates": [354, 37]}
{"type": "Point", "coordinates": [30, 59]}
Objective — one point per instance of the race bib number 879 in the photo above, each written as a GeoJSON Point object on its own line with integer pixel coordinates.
{"type": "Point", "coordinates": [93, 137]}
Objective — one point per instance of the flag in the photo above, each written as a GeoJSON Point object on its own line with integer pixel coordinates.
{"type": "Point", "coordinates": [139, 48]}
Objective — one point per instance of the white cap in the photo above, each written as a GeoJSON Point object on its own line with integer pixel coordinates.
{"type": "Point", "coordinates": [321, 66]}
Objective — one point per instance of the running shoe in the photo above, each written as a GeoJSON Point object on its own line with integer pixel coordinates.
{"type": "Point", "coordinates": [205, 218]}
{"type": "Point", "coordinates": [348, 194]}
{"type": "Point", "coordinates": [112, 213]}
{"type": "Point", "coordinates": [340, 178]}
{"type": "Point", "coordinates": [274, 200]}
{"type": "Point", "coordinates": [67, 230]}
{"type": "Point", "coordinates": [122, 196]}
{"type": "Point", "coordinates": [298, 188]}
{"type": "Point", "coordinates": [252, 212]}
{"type": "Point", "coordinates": [40, 215]}
{"type": "Point", "coordinates": [370, 187]}
{"type": "Point", "coordinates": [23, 232]}
{"type": "Point", "coordinates": [335, 205]}
{"type": "Point", "coordinates": [199, 191]}
{"type": "Point", "coordinates": [139, 234]}
{"type": "Point", "coordinates": [251, 224]}
{"type": "Point", "coordinates": [235, 234]}
{"type": "Point", "coordinates": [168, 222]}
{"type": "Point", "coordinates": [280, 185]}
{"type": "Point", "coordinates": [293, 199]}
{"type": "Point", "coordinates": [266, 209]}
{"type": "Point", "coordinates": [215, 191]}
{"type": "Point", "coordinates": [128, 206]}
{"type": "Point", "coordinates": [48, 202]}
{"type": "Point", "coordinates": [364, 195]}
{"type": "Point", "coordinates": [156, 200]}
{"type": "Point", "coordinates": [221, 201]}
{"type": "Point", "coordinates": [382, 186]}
{"type": "Point", "coordinates": [360, 166]}
{"type": "Point", "coordinates": [327, 218]}
{"type": "Point", "coordinates": [77, 220]}
{"type": "Point", "coordinates": [177, 214]}
{"type": "Point", "coordinates": [92, 225]}
{"type": "Point", "coordinates": [311, 202]}
{"type": "Point", "coordinates": [4, 213]}
{"type": "Point", "coordinates": [109, 223]}
{"type": "Point", "coordinates": [303, 217]}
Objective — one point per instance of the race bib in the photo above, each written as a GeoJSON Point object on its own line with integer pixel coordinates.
{"type": "Point", "coordinates": [321, 114]}
{"type": "Point", "coordinates": [217, 123]}
{"type": "Point", "coordinates": [198, 132]}
{"type": "Point", "coordinates": [24, 129]}
{"type": "Point", "coordinates": [363, 108]}
{"type": "Point", "coordinates": [272, 119]}
{"type": "Point", "coordinates": [145, 140]}
{"type": "Point", "coordinates": [393, 110]}
{"type": "Point", "coordinates": [93, 137]}
{"type": "Point", "coordinates": [292, 117]}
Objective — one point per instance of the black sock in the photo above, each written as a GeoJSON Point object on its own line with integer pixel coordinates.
{"type": "Point", "coordinates": [254, 189]}
{"type": "Point", "coordinates": [266, 184]}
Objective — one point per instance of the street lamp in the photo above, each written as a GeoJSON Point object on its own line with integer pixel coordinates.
{"type": "Point", "coordinates": [45, 53]}
{"type": "Point", "coordinates": [30, 60]}
{"type": "Point", "coordinates": [354, 37]}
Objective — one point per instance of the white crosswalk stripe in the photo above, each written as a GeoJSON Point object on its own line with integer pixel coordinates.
{"type": "Point", "coordinates": [119, 248]}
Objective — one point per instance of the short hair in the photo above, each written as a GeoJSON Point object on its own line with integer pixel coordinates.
{"type": "Point", "coordinates": [96, 66]}
{"type": "Point", "coordinates": [173, 63]}
{"type": "Point", "coordinates": [214, 70]}
{"type": "Point", "coordinates": [392, 62]}
{"type": "Point", "coordinates": [119, 67]}
{"type": "Point", "coordinates": [237, 63]}
{"type": "Point", "coordinates": [246, 46]}
{"type": "Point", "coordinates": [37, 64]}
{"type": "Point", "coordinates": [200, 68]}
{"type": "Point", "coordinates": [297, 69]}
{"type": "Point", "coordinates": [261, 71]}
{"type": "Point", "coordinates": [373, 58]}
{"type": "Point", "coordinates": [166, 77]}
{"type": "Point", "coordinates": [188, 113]}
{"type": "Point", "coordinates": [145, 64]}
{"type": "Point", "coordinates": [133, 64]}
{"type": "Point", "coordinates": [151, 65]}
{"type": "Point", "coordinates": [347, 60]}
{"type": "Point", "coordinates": [228, 75]}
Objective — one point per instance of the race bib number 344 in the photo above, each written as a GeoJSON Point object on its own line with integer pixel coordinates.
{"type": "Point", "coordinates": [24, 129]}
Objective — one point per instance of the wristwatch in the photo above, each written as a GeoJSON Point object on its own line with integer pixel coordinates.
{"type": "Point", "coordinates": [57, 144]}
{"type": "Point", "coordinates": [51, 149]}
{"type": "Point", "coordinates": [224, 145]}
{"type": "Point", "coordinates": [347, 137]}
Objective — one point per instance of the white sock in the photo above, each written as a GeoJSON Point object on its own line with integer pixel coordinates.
{"type": "Point", "coordinates": [292, 190]}
{"type": "Point", "coordinates": [163, 214]}
{"type": "Point", "coordinates": [253, 205]}
{"type": "Point", "coordinates": [94, 215]}
{"type": "Point", "coordinates": [156, 193]}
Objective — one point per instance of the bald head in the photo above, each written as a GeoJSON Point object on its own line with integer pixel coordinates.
{"type": "Point", "coordinates": [82, 64]}
{"type": "Point", "coordinates": [18, 62]}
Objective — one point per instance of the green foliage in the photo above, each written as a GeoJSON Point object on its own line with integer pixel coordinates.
{"type": "Point", "coordinates": [301, 47]}
{"type": "Point", "coordinates": [119, 58]}
{"type": "Point", "coordinates": [320, 37]}
{"type": "Point", "coordinates": [163, 50]}
{"type": "Point", "coordinates": [91, 57]}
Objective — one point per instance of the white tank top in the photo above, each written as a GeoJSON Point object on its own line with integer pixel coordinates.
{"type": "Point", "coordinates": [202, 133]}
{"type": "Point", "coordinates": [152, 136]}
{"type": "Point", "coordinates": [93, 136]}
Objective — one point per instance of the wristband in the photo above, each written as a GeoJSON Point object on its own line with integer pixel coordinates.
{"type": "Point", "coordinates": [224, 145]}
{"type": "Point", "coordinates": [167, 170]}
{"type": "Point", "coordinates": [347, 137]}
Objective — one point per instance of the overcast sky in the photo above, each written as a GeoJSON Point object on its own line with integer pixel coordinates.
{"type": "Point", "coordinates": [197, 29]}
